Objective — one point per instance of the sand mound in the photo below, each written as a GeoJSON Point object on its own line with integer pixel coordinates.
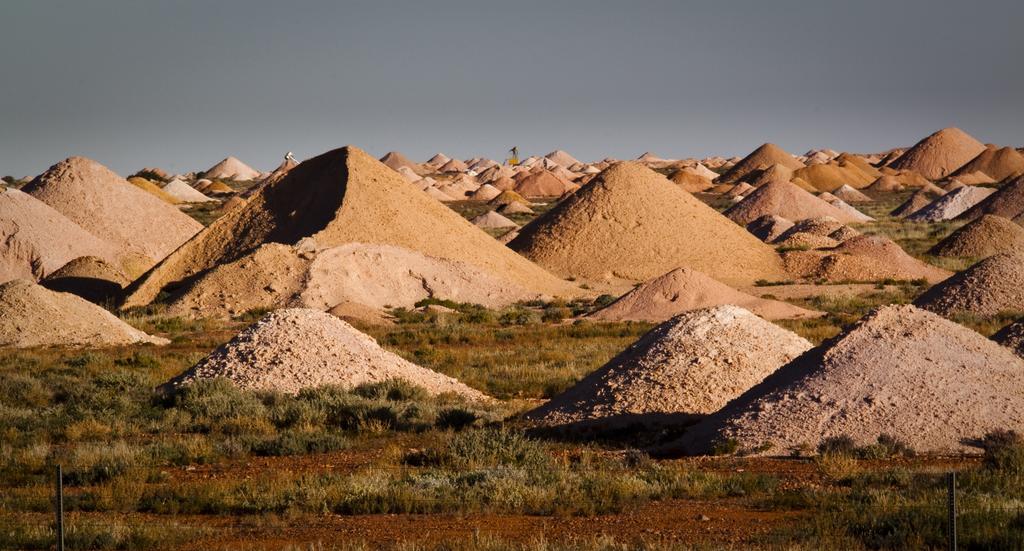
{"type": "Point", "coordinates": [543, 183]}
{"type": "Point", "coordinates": [823, 227]}
{"type": "Point", "coordinates": [185, 193]}
{"type": "Point", "coordinates": [989, 287]}
{"type": "Point", "coordinates": [862, 258]}
{"type": "Point", "coordinates": [689, 366]}
{"type": "Point", "coordinates": [850, 195]}
{"type": "Point", "coordinates": [152, 189]}
{"type": "Point", "coordinates": [88, 277]}
{"type": "Point", "coordinates": [768, 227]}
{"type": "Point", "coordinates": [998, 163]}
{"type": "Point", "coordinates": [951, 205]}
{"type": "Point", "coordinates": [786, 200]}
{"type": "Point", "coordinates": [917, 201]}
{"type": "Point", "coordinates": [1012, 337]}
{"type": "Point", "coordinates": [683, 290]}
{"type": "Point", "coordinates": [982, 238]}
{"type": "Point", "coordinates": [31, 315]}
{"type": "Point", "coordinates": [344, 196]}
{"type": "Point", "coordinates": [144, 228]}
{"type": "Point", "coordinates": [395, 160]}
{"type": "Point", "coordinates": [632, 223]}
{"type": "Point", "coordinates": [508, 197]}
{"type": "Point", "coordinates": [693, 182]}
{"type": "Point", "coordinates": [231, 169]}
{"type": "Point", "coordinates": [1007, 201]}
{"type": "Point", "coordinates": [835, 174]}
{"type": "Point", "coordinates": [940, 154]}
{"type": "Point", "coordinates": [899, 371]}
{"type": "Point", "coordinates": [761, 158]}
{"type": "Point", "coordinates": [774, 173]}
{"type": "Point", "coordinates": [850, 211]}
{"type": "Point", "coordinates": [492, 219]}
{"type": "Point", "coordinates": [438, 160]}
{"type": "Point", "coordinates": [885, 183]}
{"type": "Point", "coordinates": [453, 165]}
{"type": "Point", "coordinates": [218, 188]}
{"type": "Point", "coordinates": [289, 350]}
{"type": "Point", "coordinates": [36, 240]}
{"type": "Point", "coordinates": [561, 158]}
{"type": "Point", "coordinates": [485, 192]}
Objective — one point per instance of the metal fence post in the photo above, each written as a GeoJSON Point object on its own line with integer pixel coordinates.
{"type": "Point", "coordinates": [59, 507]}
{"type": "Point", "coordinates": [951, 505]}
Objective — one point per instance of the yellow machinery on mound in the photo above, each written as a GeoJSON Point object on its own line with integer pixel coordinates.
{"type": "Point", "coordinates": [513, 157]}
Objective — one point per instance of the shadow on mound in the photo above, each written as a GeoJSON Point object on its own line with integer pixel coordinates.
{"type": "Point", "coordinates": [96, 291]}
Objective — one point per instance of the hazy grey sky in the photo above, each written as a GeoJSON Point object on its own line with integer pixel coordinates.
{"type": "Point", "coordinates": [181, 84]}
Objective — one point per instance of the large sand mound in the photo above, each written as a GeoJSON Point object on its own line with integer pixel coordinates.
{"type": "Point", "coordinates": [292, 349]}
{"type": "Point", "coordinates": [143, 227]}
{"type": "Point", "coordinates": [982, 238]}
{"type": "Point", "coordinates": [1007, 201]}
{"type": "Point", "coordinates": [989, 287]}
{"type": "Point", "coordinates": [31, 315]}
{"type": "Point", "coordinates": [951, 205]}
{"type": "Point", "coordinates": [940, 154]}
{"type": "Point", "coordinates": [344, 196]}
{"type": "Point", "coordinates": [632, 223]}
{"type": "Point", "coordinates": [88, 277]}
{"type": "Point", "coordinates": [998, 163]}
{"type": "Point", "coordinates": [682, 290]}
{"type": "Point", "coordinates": [862, 258]}
{"type": "Point", "coordinates": [231, 169]}
{"type": "Point", "coordinates": [688, 366]}
{"type": "Point", "coordinates": [786, 200]}
{"type": "Point", "coordinates": [900, 371]}
{"type": "Point", "coordinates": [761, 158]}
{"type": "Point", "coordinates": [36, 240]}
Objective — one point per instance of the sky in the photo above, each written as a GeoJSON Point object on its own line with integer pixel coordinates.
{"type": "Point", "coordinates": [182, 84]}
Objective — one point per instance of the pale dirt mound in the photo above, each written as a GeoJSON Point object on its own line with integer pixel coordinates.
{"type": "Point", "coordinates": [218, 188]}
{"type": "Point", "coordinates": [507, 197]}
{"type": "Point", "coordinates": [885, 183]}
{"type": "Point", "coordinates": [786, 200]}
{"type": "Point", "coordinates": [900, 371]}
{"type": "Point", "coordinates": [951, 205]}
{"type": "Point", "coordinates": [375, 276]}
{"type": "Point", "coordinates": [987, 288]}
{"type": "Point", "coordinates": [768, 227]}
{"type": "Point", "coordinates": [515, 207]}
{"type": "Point", "coordinates": [452, 166]}
{"type": "Point", "coordinates": [543, 183]}
{"type": "Point", "coordinates": [804, 241]}
{"type": "Point", "coordinates": [689, 366]}
{"type": "Point", "coordinates": [144, 228]}
{"type": "Point", "coordinates": [952, 185]}
{"type": "Point", "coordinates": [761, 158]}
{"type": "Point", "coordinates": [88, 277]}
{"type": "Point", "coordinates": [185, 193]}
{"type": "Point", "coordinates": [850, 195]}
{"type": "Point", "coordinates": [1012, 337]}
{"type": "Point", "coordinates": [975, 178]}
{"type": "Point", "coordinates": [289, 350]}
{"type": "Point", "coordinates": [485, 192]}
{"type": "Point", "coordinates": [940, 154]}
{"type": "Point", "coordinates": [982, 238]}
{"type": "Point", "coordinates": [395, 160]}
{"type": "Point", "coordinates": [31, 315]}
{"type": "Point", "coordinates": [682, 290]}
{"type": "Point", "coordinates": [739, 190]}
{"type": "Point", "coordinates": [231, 169]}
{"type": "Point", "coordinates": [850, 211]}
{"type": "Point", "coordinates": [693, 182]}
{"type": "Point", "coordinates": [632, 223]}
{"type": "Point", "coordinates": [774, 173]}
{"type": "Point", "coordinates": [344, 196]}
{"type": "Point", "coordinates": [233, 203]}
{"type": "Point", "coordinates": [561, 158]}
{"type": "Point", "coordinates": [36, 240]}
{"type": "Point", "coordinates": [492, 219]}
{"type": "Point", "coordinates": [1007, 201]}
{"type": "Point", "coordinates": [833, 175]}
{"type": "Point", "coordinates": [438, 160]}
{"type": "Point", "coordinates": [153, 189]}
{"type": "Point", "coordinates": [998, 163]}
{"type": "Point", "coordinates": [861, 258]}
{"type": "Point", "coordinates": [917, 201]}
{"type": "Point", "coordinates": [822, 227]}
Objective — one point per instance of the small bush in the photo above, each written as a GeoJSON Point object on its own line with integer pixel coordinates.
{"type": "Point", "coordinates": [455, 418]}
{"type": "Point", "coordinates": [725, 446]}
{"type": "Point", "coordinates": [1004, 451]}
{"type": "Point", "coordinates": [838, 445]}
{"type": "Point", "coordinates": [395, 390]}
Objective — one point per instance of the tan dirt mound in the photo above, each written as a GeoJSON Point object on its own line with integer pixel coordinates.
{"type": "Point", "coordinates": [144, 228]}
{"type": "Point", "coordinates": [218, 188]}
{"type": "Point", "coordinates": [774, 173]}
{"type": "Point", "coordinates": [632, 223]}
{"type": "Point", "coordinates": [833, 175]}
{"type": "Point", "coordinates": [900, 371]}
{"type": "Point", "coordinates": [987, 288]}
{"type": "Point", "coordinates": [344, 196]}
{"type": "Point", "coordinates": [689, 366]}
{"type": "Point", "coordinates": [998, 163]}
{"type": "Point", "coordinates": [1007, 201]}
{"type": "Point", "coordinates": [231, 169]}
{"type": "Point", "coordinates": [485, 192]}
{"type": "Point", "coordinates": [1012, 337]}
{"type": "Point", "coordinates": [88, 277]}
{"type": "Point", "coordinates": [185, 193]}
{"type": "Point", "coordinates": [31, 315]}
{"type": "Point", "coordinates": [940, 154]}
{"type": "Point", "coordinates": [543, 183]}
{"type": "Point", "coordinates": [515, 207]}
{"type": "Point", "coordinates": [492, 219]}
{"type": "Point", "coordinates": [36, 240]}
{"type": "Point", "coordinates": [786, 200]}
{"type": "Point", "coordinates": [691, 181]}
{"type": "Point", "coordinates": [862, 258]}
{"type": "Point", "coordinates": [917, 201]}
{"type": "Point", "coordinates": [951, 205]}
{"type": "Point", "coordinates": [396, 160]}
{"type": "Point", "coordinates": [850, 195]}
{"type": "Point", "coordinates": [768, 227]}
{"type": "Point", "coordinates": [289, 350]}
{"type": "Point", "coordinates": [850, 211]}
{"type": "Point", "coordinates": [153, 189]}
{"type": "Point", "coordinates": [761, 158]}
{"type": "Point", "coordinates": [885, 183]}
{"type": "Point", "coordinates": [682, 290]}
{"type": "Point", "coordinates": [561, 158]}
{"type": "Point", "coordinates": [982, 238]}
{"type": "Point", "coordinates": [822, 227]}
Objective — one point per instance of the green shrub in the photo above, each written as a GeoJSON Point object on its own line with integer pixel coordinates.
{"type": "Point", "coordinates": [1004, 451]}
{"type": "Point", "coordinates": [455, 418]}
{"type": "Point", "coordinates": [838, 445]}
{"type": "Point", "coordinates": [395, 390]}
